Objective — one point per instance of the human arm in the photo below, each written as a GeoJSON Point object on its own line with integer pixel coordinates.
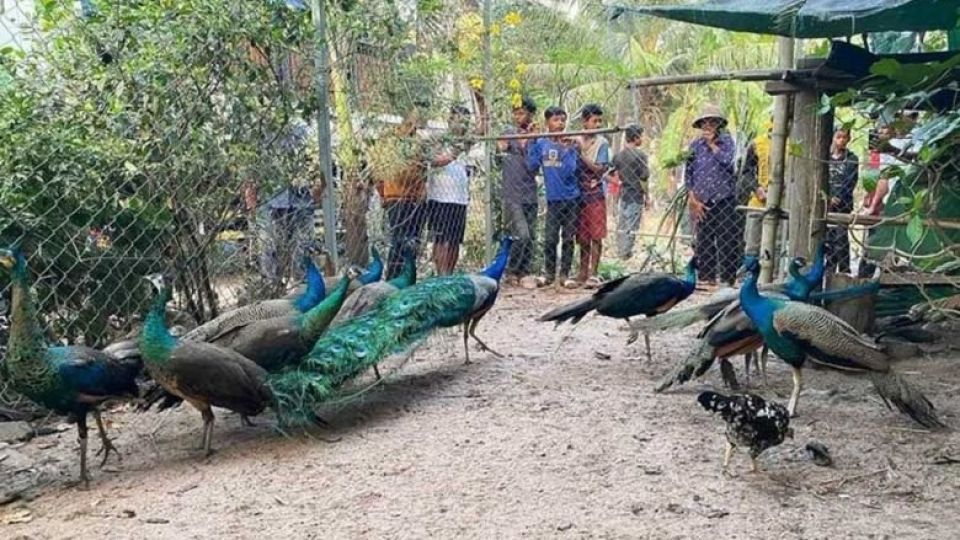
{"type": "Point", "coordinates": [534, 157]}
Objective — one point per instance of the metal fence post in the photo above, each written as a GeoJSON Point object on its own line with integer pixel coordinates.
{"type": "Point", "coordinates": [488, 145]}
{"type": "Point", "coordinates": [322, 80]}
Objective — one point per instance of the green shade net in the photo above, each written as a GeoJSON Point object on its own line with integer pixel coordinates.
{"type": "Point", "coordinates": [813, 18]}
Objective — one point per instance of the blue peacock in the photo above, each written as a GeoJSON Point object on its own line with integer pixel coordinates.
{"type": "Point", "coordinates": [730, 332]}
{"type": "Point", "coordinates": [631, 296]}
{"type": "Point", "coordinates": [796, 331]}
{"type": "Point", "coordinates": [73, 381]}
{"type": "Point", "coordinates": [206, 375]}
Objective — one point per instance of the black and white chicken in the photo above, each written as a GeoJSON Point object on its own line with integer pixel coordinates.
{"type": "Point", "coordinates": [751, 422]}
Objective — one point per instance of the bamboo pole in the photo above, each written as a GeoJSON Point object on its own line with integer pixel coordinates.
{"type": "Point", "coordinates": [837, 218]}
{"type": "Point", "coordinates": [322, 63]}
{"type": "Point", "coordinates": [750, 75]}
{"type": "Point", "coordinates": [488, 148]}
{"type": "Point", "coordinates": [778, 147]}
{"type": "Point", "coordinates": [517, 136]}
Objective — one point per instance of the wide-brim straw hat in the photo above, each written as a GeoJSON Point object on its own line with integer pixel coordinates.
{"type": "Point", "coordinates": [710, 111]}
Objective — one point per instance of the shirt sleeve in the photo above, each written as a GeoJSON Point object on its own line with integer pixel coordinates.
{"type": "Point", "coordinates": [726, 153]}
{"type": "Point", "coordinates": [603, 154]}
{"type": "Point", "coordinates": [851, 179]}
{"type": "Point", "coordinates": [533, 156]}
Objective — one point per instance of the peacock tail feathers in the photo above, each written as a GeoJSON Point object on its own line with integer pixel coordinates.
{"type": "Point", "coordinates": [396, 324]}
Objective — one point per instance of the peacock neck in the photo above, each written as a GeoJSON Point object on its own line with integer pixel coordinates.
{"type": "Point", "coordinates": [499, 264]}
{"type": "Point", "coordinates": [316, 320]}
{"type": "Point", "coordinates": [690, 279]}
{"type": "Point", "coordinates": [156, 341]}
{"type": "Point", "coordinates": [26, 346]}
{"type": "Point", "coordinates": [316, 288]}
{"type": "Point", "coordinates": [756, 306]}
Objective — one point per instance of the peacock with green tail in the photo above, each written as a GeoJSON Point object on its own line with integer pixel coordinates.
{"type": "Point", "coordinates": [74, 380]}
{"type": "Point", "coordinates": [398, 322]}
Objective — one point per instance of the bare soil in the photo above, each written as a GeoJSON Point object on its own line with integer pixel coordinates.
{"type": "Point", "coordinates": [563, 438]}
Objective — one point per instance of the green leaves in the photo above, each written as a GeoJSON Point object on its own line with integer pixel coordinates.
{"type": "Point", "coordinates": [915, 230]}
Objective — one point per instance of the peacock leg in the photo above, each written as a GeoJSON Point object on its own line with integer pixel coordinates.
{"type": "Point", "coordinates": [82, 435]}
{"type": "Point", "coordinates": [207, 430]}
{"type": "Point", "coordinates": [483, 346]}
{"type": "Point", "coordinates": [634, 334]}
{"type": "Point", "coordinates": [376, 372]}
{"type": "Point", "coordinates": [797, 383]}
{"type": "Point", "coordinates": [106, 445]}
{"type": "Point", "coordinates": [646, 341]}
{"type": "Point", "coordinates": [763, 363]}
{"type": "Point", "coordinates": [728, 375]}
{"type": "Point", "coordinates": [245, 420]}
{"type": "Point", "coordinates": [746, 368]}
{"type": "Point", "coordinates": [727, 455]}
{"type": "Point", "coordinates": [753, 462]}
{"type": "Point", "coordinates": [466, 336]}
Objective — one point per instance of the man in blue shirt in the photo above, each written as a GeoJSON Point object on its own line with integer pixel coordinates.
{"type": "Point", "coordinates": [557, 156]}
{"type": "Point", "coordinates": [712, 198]}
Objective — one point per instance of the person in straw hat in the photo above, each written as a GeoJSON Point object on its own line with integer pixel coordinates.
{"type": "Point", "coordinates": [711, 183]}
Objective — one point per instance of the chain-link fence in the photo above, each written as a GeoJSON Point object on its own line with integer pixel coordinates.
{"type": "Point", "coordinates": [182, 136]}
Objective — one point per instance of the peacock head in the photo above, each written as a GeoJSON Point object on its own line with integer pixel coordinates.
{"type": "Point", "coordinates": [751, 265]}
{"type": "Point", "coordinates": [158, 281]}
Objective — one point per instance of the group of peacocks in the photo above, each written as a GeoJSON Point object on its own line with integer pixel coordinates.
{"type": "Point", "coordinates": [780, 317]}
{"type": "Point", "coordinates": [290, 355]}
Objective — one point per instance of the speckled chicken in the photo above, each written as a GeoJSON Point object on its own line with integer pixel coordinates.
{"type": "Point", "coordinates": [752, 422]}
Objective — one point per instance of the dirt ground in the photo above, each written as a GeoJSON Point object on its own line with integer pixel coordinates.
{"type": "Point", "coordinates": [557, 439]}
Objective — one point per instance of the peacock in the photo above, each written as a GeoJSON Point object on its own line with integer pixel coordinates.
{"type": "Point", "coordinates": [394, 325]}
{"type": "Point", "coordinates": [495, 272]}
{"type": "Point", "coordinates": [720, 300]}
{"type": "Point", "coordinates": [630, 296]}
{"type": "Point", "coordinates": [731, 332]}
{"type": "Point", "coordinates": [374, 271]}
{"type": "Point", "coordinates": [368, 296]}
{"type": "Point", "coordinates": [74, 380]}
{"type": "Point", "coordinates": [796, 331]}
{"type": "Point", "coordinates": [202, 374]}
{"type": "Point", "coordinates": [234, 320]}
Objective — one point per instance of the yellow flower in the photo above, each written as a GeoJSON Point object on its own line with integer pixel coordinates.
{"type": "Point", "coordinates": [514, 84]}
{"type": "Point", "coordinates": [494, 29]}
{"type": "Point", "coordinates": [512, 19]}
{"type": "Point", "coordinates": [516, 101]}
{"type": "Point", "coordinates": [476, 83]}
{"type": "Point", "coordinates": [521, 68]}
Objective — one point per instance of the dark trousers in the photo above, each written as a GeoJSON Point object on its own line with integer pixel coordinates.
{"type": "Point", "coordinates": [719, 246]}
{"type": "Point", "coordinates": [560, 228]}
{"type": "Point", "coordinates": [405, 219]}
{"type": "Point", "coordinates": [838, 250]}
{"type": "Point", "coordinates": [522, 220]}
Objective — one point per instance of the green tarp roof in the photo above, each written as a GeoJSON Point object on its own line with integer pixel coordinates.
{"type": "Point", "coordinates": [811, 18]}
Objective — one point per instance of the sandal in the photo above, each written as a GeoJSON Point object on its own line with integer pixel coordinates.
{"type": "Point", "coordinates": [544, 281]}
{"type": "Point", "coordinates": [570, 284]}
{"type": "Point", "coordinates": [593, 283]}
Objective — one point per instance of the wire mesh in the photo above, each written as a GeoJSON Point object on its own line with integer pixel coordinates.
{"type": "Point", "coordinates": [181, 137]}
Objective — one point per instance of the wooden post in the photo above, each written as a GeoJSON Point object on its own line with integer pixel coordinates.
{"type": "Point", "coordinates": [858, 312]}
{"type": "Point", "coordinates": [778, 144]}
{"type": "Point", "coordinates": [809, 173]}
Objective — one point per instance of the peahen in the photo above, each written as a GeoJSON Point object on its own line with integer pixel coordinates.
{"type": "Point", "coordinates": [202, 374]}
{"type": "Point", "coordinates": [630, 296]}
{"type": "Point", "coordinates": [796, 331]}
{"type": "Point", "coordinates": [394, 325]}
{"type": "Point", "coordinates": [68, 380]}
{"type": "Point", "coordinates": [731, 332]}
{"type": "Point", "coordinates": [234, 320]}
{"type": "Point", "coordinates": [368, 296]}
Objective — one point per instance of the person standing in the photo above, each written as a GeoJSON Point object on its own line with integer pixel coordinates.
{"type": "Point", "coordinates": [594, 160]}
{"type": "Point", "coordinates": [399, 164]}
{"type": "Point", "coordinates": [519, 191]}
{"type": "Point", "coordinates": [631, 168]}
{"type": "Point", "coordinates": [844, 175]}
{"type": "Point", "coordinates": [557, 156]}
{"type": "Point", "coordinates": [448, 193]}
{"type": "Point", "coordinates": [712, 198]}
